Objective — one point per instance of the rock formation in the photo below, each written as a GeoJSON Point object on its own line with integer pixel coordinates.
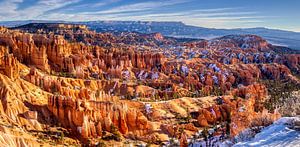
{"type": "Point", "coordinates": [96, 86]}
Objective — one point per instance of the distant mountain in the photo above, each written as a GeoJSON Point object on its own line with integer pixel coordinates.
{"type": "Point", "coordinates": [179, 29]}
{"type": "Point", "coordinates": [23, 22]}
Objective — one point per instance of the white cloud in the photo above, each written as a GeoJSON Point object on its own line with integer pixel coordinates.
{"type": "Point", "coordinates": [143, 6]}
{"type": "Point", "coordinates": [103, 3]}
{"type": "Point", "coordinates": [216, 17]}
{"type": "Point", "coordinates": [147, 11]}
{"type": "Point", "coordinates": [43, 6]}
{"type": "Point", "coordinates": [9, 8]}
{"type": "Point", "coordinates": [91, 5]}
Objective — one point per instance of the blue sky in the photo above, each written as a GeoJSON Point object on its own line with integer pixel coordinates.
{"type": "Point", "coordinates": [279, 14]}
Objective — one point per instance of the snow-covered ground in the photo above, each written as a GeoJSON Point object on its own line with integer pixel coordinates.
{"type": "Point", "coordinates": [278, 134]}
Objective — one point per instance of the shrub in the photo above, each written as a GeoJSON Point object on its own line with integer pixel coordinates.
{"type": "Point", "coordinates": [281, 93]}
{"type": "Point", "coordinates": [115, 132]}
{"type": "Point", "coordinates": [258, 123]}
{"type": "Point", "coordinates": [173, 142]}
{"type": "Point", "coordinates": [62, 136]}
{"type": "Point", "coordinates": [101, 144]}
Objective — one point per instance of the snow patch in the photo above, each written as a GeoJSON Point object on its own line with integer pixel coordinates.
{"type": "Point", "coordinates": [278, 134]}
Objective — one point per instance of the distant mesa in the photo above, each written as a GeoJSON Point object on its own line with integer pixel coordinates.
{"type": "Point", "coordinates": [50, 27]}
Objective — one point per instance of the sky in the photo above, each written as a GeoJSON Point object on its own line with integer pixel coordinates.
{"type": "Point", "coordinates": [277, 14]}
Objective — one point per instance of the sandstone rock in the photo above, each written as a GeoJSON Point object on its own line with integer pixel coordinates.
{"type": "Point", "coordinates": [126, 120]}
{"type": "Point", "coordinates": [31, 115]}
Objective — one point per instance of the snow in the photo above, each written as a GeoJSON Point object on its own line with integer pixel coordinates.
{"type": "Point", "coordinates": [79, 129]}
{"type": "Point", "coordinates": [278, 134]}
{"type": "Point", "coordinates": [215, 78]}
{"type": "Point", "coordinates": [148, 108]}
{"type": "Point", "coordinates": [214, 67]}
{"type": "Point", "coordinates": [267, 55]}
{"type": "Point", "coordinates": [277, 43]}
{"type": "Point", "coordinates": [185, 69]}
{"type": "Point", "coordinates": [226, 61]}
{"type": "Point", "coordinates": [154, 76]}
{"type": "Point", "coordinates": [126, 74]}
{"type": "Point", "coordinates": [202, 77]}
{"type": "Point", "coordinates": [141, 74]}
{"type": "Point", "coordinates": [213, 112]}
{"type": "Point", "coordinates": [242, 109]}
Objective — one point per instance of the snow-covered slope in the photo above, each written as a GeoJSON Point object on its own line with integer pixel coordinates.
{"type": "Point", "coordinates": [278, 134]}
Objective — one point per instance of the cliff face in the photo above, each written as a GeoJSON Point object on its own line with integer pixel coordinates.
{"type": "Point", "coordinates": [246, 42]}
{"type": "Point", "coordinates": [53, 53]}
{"type": "Point", "coordinates": [9, 65]}
{"type": "Point", "coordinates": [21, 110]}
{"type": "Point", "coordinates": [23, 48]}
{"type": "Point", "coordinates": [239, 112]}
{"type": "Point", "coordinates": [293, 61]}
{"type": "Point", "coordinates": [91, 118]}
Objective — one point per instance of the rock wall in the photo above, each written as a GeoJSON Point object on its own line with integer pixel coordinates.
{"type": "Point", "coordinates": [9, 65]}
{"type": "Point", "coordinates": [91, 118]}
{"type": "Point", "coordinates": [239, 113]}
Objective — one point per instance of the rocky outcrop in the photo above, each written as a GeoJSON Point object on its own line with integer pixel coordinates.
{"type": "Point", "coordinates": [23, 48]}
{"type": "Point", "coordinates": [246, 42]}
{"type": "Point", "coordinates": [237, 112]}
{"type": "Point", "coordinates": [293, 62]}
{"type": "Point", "coordinates": [9, 65]}
{"type": "Point", "coordinates": [275, 71]}
{"type": "Point", "coordinates": [91, 118]}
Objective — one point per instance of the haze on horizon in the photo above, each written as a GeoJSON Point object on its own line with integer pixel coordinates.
{"type": "Point", "coordinates": [276, 14]}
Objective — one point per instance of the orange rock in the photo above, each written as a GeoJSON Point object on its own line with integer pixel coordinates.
{"type": "Point", "coordinates": [31, 115]}
{"type": "Point", "coordinates": [92, 117]}
{"type": "Point", "coordinates": [183, 140]}
{"type": "Point", "coordinates": [202, 121]}
{"type": "Point", "coordinates": [9, 66]}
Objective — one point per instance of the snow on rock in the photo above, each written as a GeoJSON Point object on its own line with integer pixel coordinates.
{"type": "Point", "coordinates": [154, 76]}
{"type": "Point", "coordinates": [148, 108]}
{"type": "Point", "coordinates": [185, 69]}
{"type": "Point", "coordinates": [278, 134]}
{"type": "Point", "coordinates": [215, 78]}
{"type": "Point", "coordinates": [214, 67]}
{"type": "Point", "coordinates": [126, 74]}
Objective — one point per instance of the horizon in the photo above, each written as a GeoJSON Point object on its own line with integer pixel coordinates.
{"type": "Point", "coordinates": [66, 22]}
{"type": "Point", "coordinates": [217, 14]}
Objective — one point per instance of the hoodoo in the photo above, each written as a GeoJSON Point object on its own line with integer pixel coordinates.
{"type": "Point", "coordinates": [63, 84]}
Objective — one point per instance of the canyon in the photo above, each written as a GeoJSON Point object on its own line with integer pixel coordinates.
{"type": "Point", "coordinates": [64, 84]}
